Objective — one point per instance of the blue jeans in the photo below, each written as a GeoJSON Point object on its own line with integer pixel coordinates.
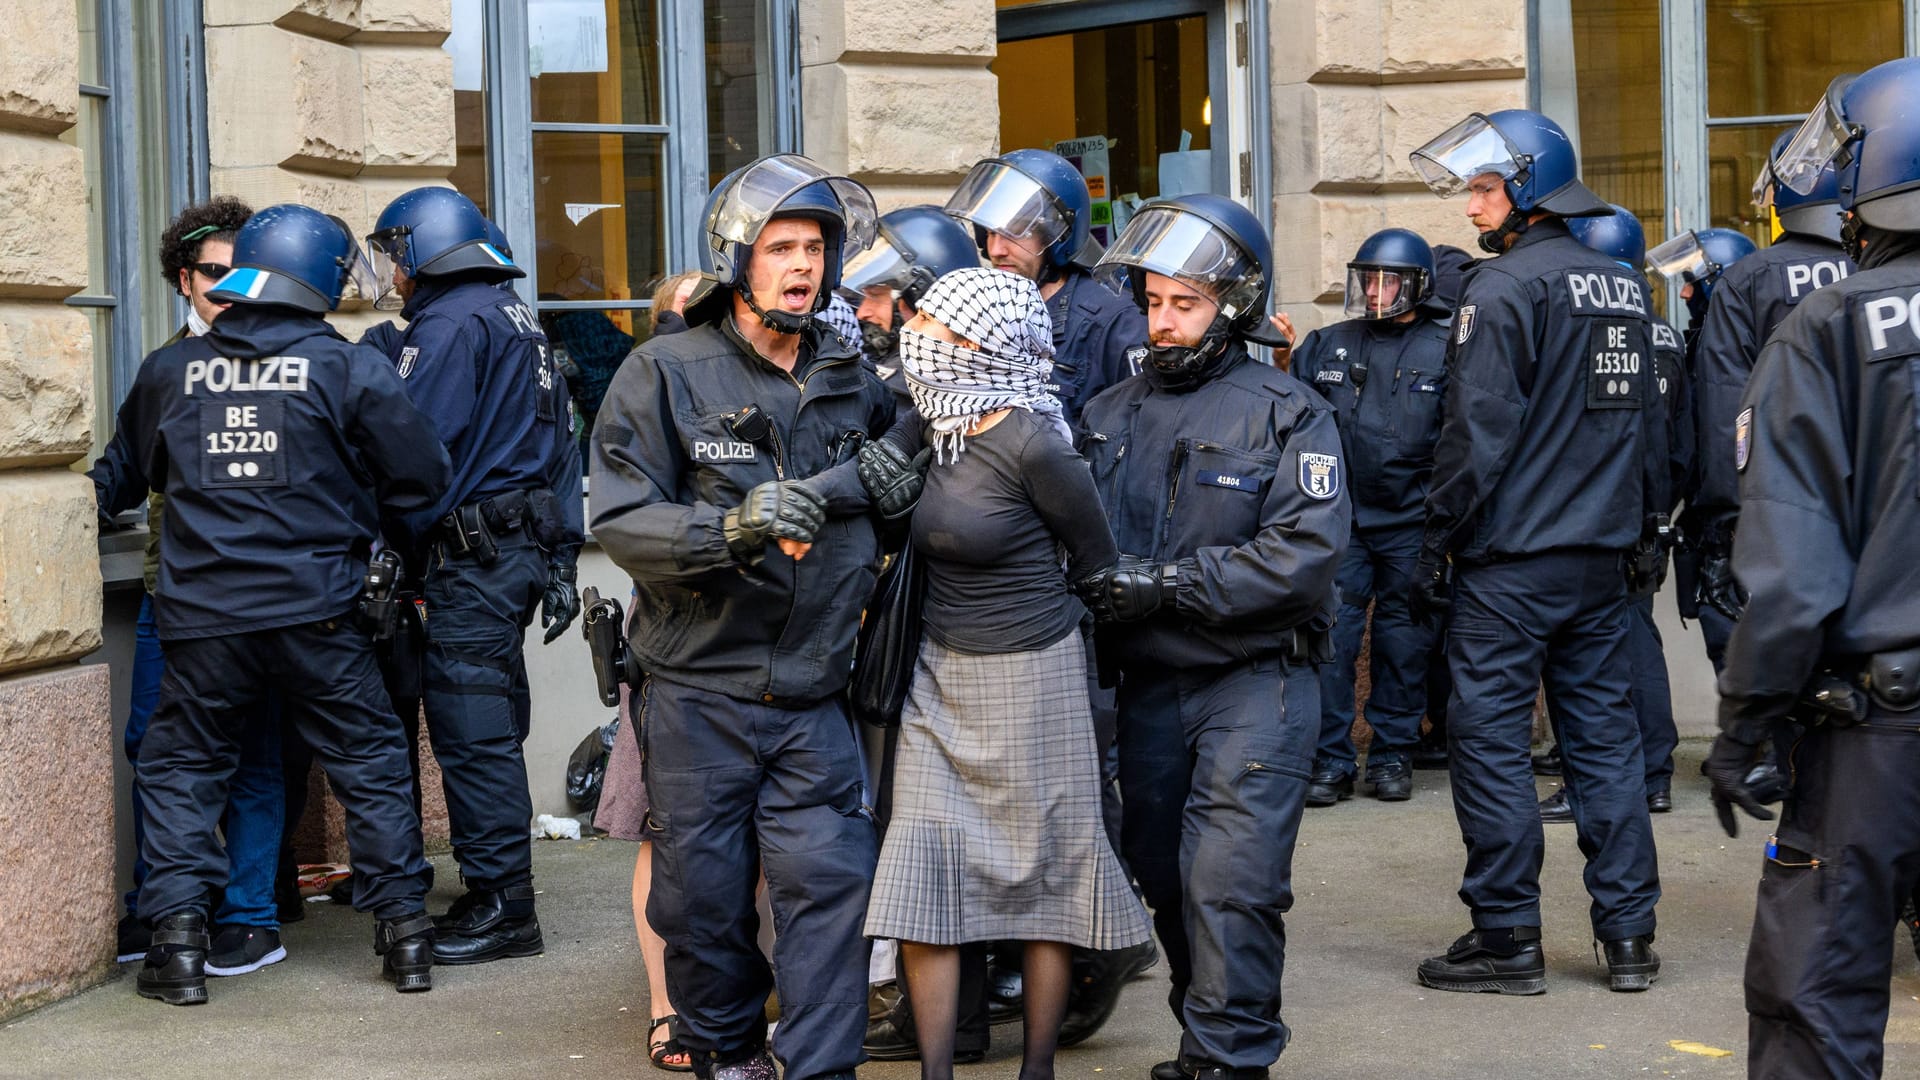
{"type": "Point", "coordinates": [256, 807]}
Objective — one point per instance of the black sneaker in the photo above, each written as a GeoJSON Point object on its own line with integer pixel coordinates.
{"type": "Point", "coordinates": [1631, 963]}
{"type": "Point", "coordinates": [1472, 966]}
{"type": "Point", "coordinates": [1547, 764]}
{"type": "Point", "coordinates": [1328, 785]}
{"type": "Point", "coordinates": [1392, 780]}
{"type": "Point", "coordinates": [1556, 810]}
{"type": "Point", "coordinates": [135, 938]}
{"type": "Point", "coordinates": [239, 949]}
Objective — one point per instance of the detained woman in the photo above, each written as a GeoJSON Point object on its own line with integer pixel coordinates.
{"type": "Point", "coordinates": [996, 831]}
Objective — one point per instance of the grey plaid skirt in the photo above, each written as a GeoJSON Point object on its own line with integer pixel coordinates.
{"type": "Point", "coordinates": [996, 829]}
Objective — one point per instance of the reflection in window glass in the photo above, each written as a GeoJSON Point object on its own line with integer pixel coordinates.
{"type": "Point", "coordinates": [599, 214]}
{"type": "Point", "coordinates": [737, 72]}
{"type": "Point", "coordinates": [467, 45]}
{"type": "Point", "coordinates": [1769, 57]}
{"type": "Point", "coordinates": [594, 61]}
{"type": "Point", "coordinates": [1141, 88]}
{"type": "Point", "coordinates": [1734, 157]}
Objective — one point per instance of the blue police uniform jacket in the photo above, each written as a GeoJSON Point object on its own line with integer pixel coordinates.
{"type": "Point", "coordinates": [1240, 481]}
{"type": "Point", "coordinates": [1829, 477]}
{"type": "Point", "coordinates": [1751, 298]}
{"type": "Point", "coordinates": [1673, 391]}
{"type": "Point", "coordinates": [1385, 381]}
{"type": "Point", "coordinates": [667, 466]}
{"type": "Point", "coordinates": [475, 360]}
{"type": "Point", "coordinates": [283, 450]}
{"type": "Point", "coordinates": [1545, 441]}
{"type": "Point", "coordinates": [1098, 336]}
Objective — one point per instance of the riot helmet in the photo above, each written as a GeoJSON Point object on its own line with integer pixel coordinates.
{"type": "Point", "coordinates": [1033, 197]}
{"type": "Point", "coordinates": [1816, 213]}
{"type": "Point", "coordinates": [1390, 275]}
{"type": "Point", "coordinates": [916, 247]}
{"type": "Point", "coordinates": [1865, 128]}
{"type": "Point", "coordinates": [1618, 236]}
{"type": "Point", "coordinates": [497, 236]}
{"type": "Point", "coordinates": [433, 231]}
{"type": "Point", "coordinates": [1214, 245]}
{"type": "Point", "coordinates": [296, 256]}
{"type": "Point", "coordinates": [1532, 156]}
{"type": "Point", "coordinates": [770, 189]}
{"type": "Point", "coordinates": [1699, 256]}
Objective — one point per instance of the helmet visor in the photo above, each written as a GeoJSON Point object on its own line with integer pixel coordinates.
{"type": "Point", "coordinates": [1681, 259]}
{"type": "Point", "coordinates": [1000, 198]}
{"type": "Point", "coordinates": [880, 265]}
{"type": "Point", "coordinates": [1187, 247]}
{"type": "Point", "coordinates": [1473, 147]}
{"type": "Point", "coordinates": [383, 255]}
{"type": "Point", "coordinates": [758, 193]}
{"type": "Point", "coordinates": [1823, 137]}
{"type": "Point", "coordinates": [363, 281]}
{"type": "Point", "coordinates": [1380, 292]}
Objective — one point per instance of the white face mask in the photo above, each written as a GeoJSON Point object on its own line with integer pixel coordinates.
{"type": "Point", "coordinates": [196, 326]}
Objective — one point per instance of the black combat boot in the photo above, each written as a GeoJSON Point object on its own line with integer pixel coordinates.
{"type": "Point", "coordinates": [1502, 961]}
{"type": "Point", "coordinates": [1329, 784]}
{"type": "Point", "coordinates": [1547, 764]}
{"type": "Point", "coordinates": [1391, 778]}
{"type": "Point", "coordinates": [495, 924]}
{"type": "Point", "coordinates": [1098, 976]}
{"type": "Point", "coordinates": [1631, 963]}
{"type": "Point", "coordinates": [405, 945]}
{"type": "Point", "coordinates": [1555, 809]}
{"type": "Point", "coordinates": [176, 967]}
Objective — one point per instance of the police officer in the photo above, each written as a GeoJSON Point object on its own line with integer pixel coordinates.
{"type": "Point", "coordinates": [915, 247]}
{"type": "Point", "coordinates": [1384, 371]}
{"type": "Point", "coordinates": [1824, 451]}
{"type": "Point", "coordinates": [1620, 237]}
{"type": "Point", "coordinates": [498, 546]}
{"type": "Point", "coordinates": [1032, 214]}
{"type": "Point", "coordinates": [1224, 482]}
{"type": "Point", "coordinates": [283, 452]}
{"type": "Point", "coordinates": [720, 453]}
{"type": "Point", "coordinates": [1542, 483]}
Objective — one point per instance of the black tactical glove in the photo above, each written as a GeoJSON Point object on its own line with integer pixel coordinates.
{"type": "Point", "coordinates": [892, 481]}
{"type": "Point", "coordinates": [1727, 768]}
{"type": "Point", "coordinates": [561, 603]}
{"type": "Point", "coordinates": [1432, 588]}
{"type": "Point", "coordinates": [1718, 587]}
{"type": "Point", "coordinates": [777, 509]}
{"type": "Point", "coordinates": [1129, 590]}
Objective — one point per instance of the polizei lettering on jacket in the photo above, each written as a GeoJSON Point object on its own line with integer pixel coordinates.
{"type": "Point", "coordinates": [1597, 293]}
{"type": "Point", "coordinates": [222, 374]}
{"type": "Point", "coordinates": [1891, 324]}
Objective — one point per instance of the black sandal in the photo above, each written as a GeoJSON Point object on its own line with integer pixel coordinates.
{"type": "Point", "coordinates": [659, 1052]}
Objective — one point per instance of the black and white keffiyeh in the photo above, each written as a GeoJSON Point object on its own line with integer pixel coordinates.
{"type": "Point", "coordinates": [953, 387]}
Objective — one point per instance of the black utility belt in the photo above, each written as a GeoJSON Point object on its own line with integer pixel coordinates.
{"type": "Point", "coordinates": [1839, 692]}
{"type": "Point", "coordinates": [469, 530]}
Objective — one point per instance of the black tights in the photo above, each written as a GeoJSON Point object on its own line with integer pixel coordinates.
{"type": "Point", "coordinates": [933, 989]}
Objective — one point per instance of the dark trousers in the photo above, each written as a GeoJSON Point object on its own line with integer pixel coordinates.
{"type": "Point", "coordinates": [738, 787]}
{"type": "Point", "coordinates": [1559, 618]}
{"type": "Point", "coordinates": [1652, 694]}
{"type": "Point", "coordinates": [1213, 778]}
{"type": "Point", "coordinates": [213, 689]}
{"type": "Point", "coordinates": [472, 676]}
{"type": "Point", "coordinates": [1820, 959]}
{"type": "Point", "coordinates": [1377, 569]}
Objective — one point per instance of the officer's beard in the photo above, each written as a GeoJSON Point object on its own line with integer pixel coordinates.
{"type": "Point", "coordinates": [1179, 368]}
{"type": "Point", "coordinates": [1497, 241]}
{"type": "Point", "coordinates": [881, 341]}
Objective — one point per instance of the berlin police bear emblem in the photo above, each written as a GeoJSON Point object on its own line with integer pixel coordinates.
{"type": "Point", "coordinates": [1319, 475]}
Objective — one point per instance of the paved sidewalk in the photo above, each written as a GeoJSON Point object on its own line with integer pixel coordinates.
{"type": "Point", "coordinates": [1375, 886]}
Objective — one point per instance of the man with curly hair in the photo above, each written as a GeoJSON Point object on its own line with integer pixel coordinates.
{"type": "Point", "coordinates": [196, 250]}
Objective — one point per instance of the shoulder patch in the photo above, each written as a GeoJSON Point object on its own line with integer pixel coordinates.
{"type": "Point", "coordinates": [1319, 475]}
{"type": "Point", "coordinates": [1136, 359]}
{"type": "Point", "coordinates": [407, 357]}
{"type": "Point", "coordinates": [1463, 321]}
{"type": "Point", "coordinates": [1742, 439]}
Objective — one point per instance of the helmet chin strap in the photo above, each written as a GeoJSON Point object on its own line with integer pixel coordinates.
{"type": "Point", "coordinates": [1852, 237]}
{"type": "Point", "coordinates": [1183, 367]}
{"type": "Point", "coordinates": [1495, 242]}
{"type": "Point", "coordinates": [781, 322]}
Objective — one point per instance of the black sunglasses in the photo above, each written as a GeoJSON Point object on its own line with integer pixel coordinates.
{"type": "Point", "coordinates": [213, 271]}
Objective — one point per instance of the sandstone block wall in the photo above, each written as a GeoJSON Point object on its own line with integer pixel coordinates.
{"type": "Point", "coordinates": [1356, 85]}
{"type": "Point", "coordinates": [898, 96]}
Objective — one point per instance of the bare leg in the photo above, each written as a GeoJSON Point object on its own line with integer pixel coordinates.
{"type": "Point", "coordinates": [1048, 976]}
{"type": "Point", "coordinates": [933, 989]}
{"type": "Point", "coordinates": [653, 953]}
